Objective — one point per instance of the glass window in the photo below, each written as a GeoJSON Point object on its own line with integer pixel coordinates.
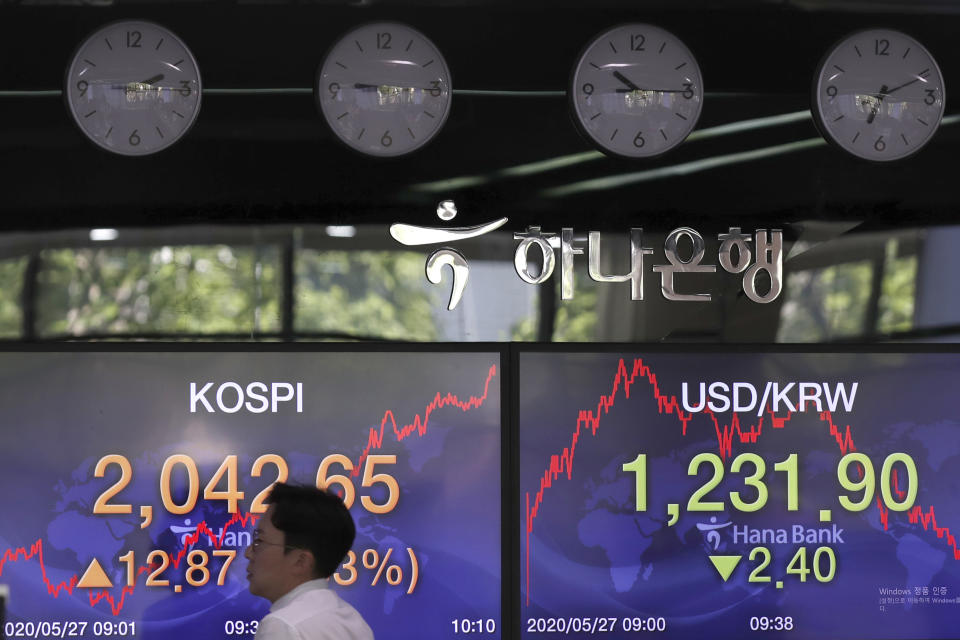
{"type": "Point", "coordinates": [216, 289]}
{"type": "Point", "coordinates": [12, 273]}
{"type": "Point", "coordinates": [825, 304]}
{"type": "Point", "coordinates": [363, 294]}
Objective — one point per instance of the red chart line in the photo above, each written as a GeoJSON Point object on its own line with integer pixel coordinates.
{"type": "Point", "coordinates": [374, 441]}
{"type": "Point", "coordinates": [36, 551]}
{"type": "Point", "coordinates": [589, 421]}
{"type": "Point", "coordinates": [420, 424]}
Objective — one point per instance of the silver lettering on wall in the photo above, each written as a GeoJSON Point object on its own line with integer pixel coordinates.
{"type": "Point", "coordinates": [636, 263]}
{"type": "Point", "coordinates": [567, 251]}
{"type": "Point", "coordinates": [769, 259]}
{"type": "Point", "coordinates": [769, 252]}
{"type": "Point", "coordinates": [672, 250]}
{"type": "Point", "coordinates": [461, 270]}
{"type": "Point", "coordinates": [412, 235]}
{"type": "Point", "coordinates": [729, 241]}
{"type": "Point", "coordinates": [735, 256]}
{"type": "Point", "coordinates": [527, 240]}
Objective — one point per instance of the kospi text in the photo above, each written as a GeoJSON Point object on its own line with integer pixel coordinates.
{"type": "Point", "coordinates": [255, 397]}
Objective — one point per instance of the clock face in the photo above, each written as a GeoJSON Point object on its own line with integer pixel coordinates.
{"type": "Point", "coordinates": [133, 88]}
{"type": "Point", "coordinates": [637, 91]}
{"type": "Point", "coordinates": [879, 95]}
{"type": "Point", "coordinates": [384, 89]}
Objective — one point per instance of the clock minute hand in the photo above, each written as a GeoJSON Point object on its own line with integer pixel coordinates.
{"type": "Point", "coordinates": [905, 84]}
{"type": "Point", "coordinates": [156, 78]}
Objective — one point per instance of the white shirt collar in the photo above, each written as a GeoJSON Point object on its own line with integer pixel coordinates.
{"type": "Point", "coordinates": [290, 596]}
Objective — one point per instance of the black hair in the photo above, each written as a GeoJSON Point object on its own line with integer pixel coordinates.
{"type": "Point", "coordinates": [315, 520]}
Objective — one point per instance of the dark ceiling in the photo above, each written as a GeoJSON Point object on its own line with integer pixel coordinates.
{"type": "Point", "coordinates": [269, 158]}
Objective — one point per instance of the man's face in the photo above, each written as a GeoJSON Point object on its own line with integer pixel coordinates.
{"type": "Point", "coordinates": [270, 571]}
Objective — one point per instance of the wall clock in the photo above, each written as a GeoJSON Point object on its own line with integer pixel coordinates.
{"type": "Point", "coordinates": [133, 88]}
{"type": "Point", "coordinates": [384, 89]}
{"type": "Point", "coordinates": [636, 91]}
{"type": "Point", "coordinates": [879, 95]}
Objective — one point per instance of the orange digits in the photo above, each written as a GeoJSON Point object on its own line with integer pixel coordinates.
{"type": "Point", "coordinates": [351, 566]}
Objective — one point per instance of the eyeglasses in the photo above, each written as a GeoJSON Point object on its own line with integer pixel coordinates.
{"type": "Point", "coordinates": [257, 542]}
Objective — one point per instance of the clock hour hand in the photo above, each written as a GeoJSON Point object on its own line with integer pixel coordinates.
{"type": "Point", "coordinates": [144, 85]}
{"type": "Point", "coordinates": [382, 87]}
{"type": "Point", "coordinates": [387, 87]}
{"type": "Point", "coordinates": [135, 87]}
{"type": "Point", "coordinates": [651, 90]}
{"type": "Point", "coordinates": [876, 105]}
{"type": "Point", "coordinates": [625, 80]}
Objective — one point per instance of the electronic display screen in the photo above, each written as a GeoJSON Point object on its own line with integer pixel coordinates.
{"type": "Point", "coordinates": [132, 481]}
{"type": "Point", "coordinates": [736, 495]}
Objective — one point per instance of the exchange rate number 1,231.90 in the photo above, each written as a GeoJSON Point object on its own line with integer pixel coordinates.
{"type": "Point", "coordinates": [893, 497]}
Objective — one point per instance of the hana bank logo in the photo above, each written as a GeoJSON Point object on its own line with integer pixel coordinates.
{"type": "Point", "coordinates": [412, 235]}
{"type": "Point", "coordinates": [762, 281]}
{"type": "Point", "coordinates": [230, 539]}
{"type": "Point", "coordinates": [711, 532]}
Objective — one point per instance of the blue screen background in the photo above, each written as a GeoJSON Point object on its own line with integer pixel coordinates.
{"type": "Point", "coordinates": [62, 412]}
{"type": "Point", "coordinates": [590, 553]}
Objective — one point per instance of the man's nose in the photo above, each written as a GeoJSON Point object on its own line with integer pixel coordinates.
{"type": "Point", "coordinates": [247, 553]}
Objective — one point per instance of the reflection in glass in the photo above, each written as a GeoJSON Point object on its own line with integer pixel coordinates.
{"type": "Point", "coordinates": [183, 289]}
{"type": "Point", "coordinates": [363, 294]}
{"type": "Point", "coordinates": [11, 290]}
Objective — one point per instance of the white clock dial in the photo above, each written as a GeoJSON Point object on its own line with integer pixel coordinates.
{"type": "Point", "coordinates": [637, 91]}
{"type": "Point", "coordinates": [133, 88]}
{"type": "Point", "coordinates": [384, 89]}
{"type": "Point", "coordinates": [879, 95]}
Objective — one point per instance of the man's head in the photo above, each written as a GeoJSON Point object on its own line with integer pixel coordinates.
{"type": "Point", "coordinates": [304, 535]}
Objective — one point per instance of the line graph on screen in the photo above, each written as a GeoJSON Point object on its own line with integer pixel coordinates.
{"type": "Point", "coordinates": [376, 437]}
{"type": "Point", "coordinates": [589, 421]}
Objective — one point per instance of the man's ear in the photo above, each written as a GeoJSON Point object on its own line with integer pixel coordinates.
{"type": "Point", "coordinates": [305, 562]}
